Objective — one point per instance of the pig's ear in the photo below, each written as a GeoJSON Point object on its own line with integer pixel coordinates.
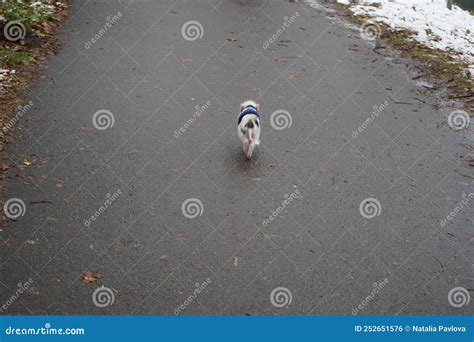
{"type": "Point", "coordinates": [241, 107]}
{"type": "Point", "coordinates": [258, 107]}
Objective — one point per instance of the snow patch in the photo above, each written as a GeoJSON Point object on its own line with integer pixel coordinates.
{"type": "Point", "coordinates": [433, 23]}
{"type": "Point", "coordinates": [3, 76]}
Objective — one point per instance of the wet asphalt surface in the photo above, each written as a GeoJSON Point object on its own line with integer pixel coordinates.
{"type": "Point", "coordinates": [152, 256]}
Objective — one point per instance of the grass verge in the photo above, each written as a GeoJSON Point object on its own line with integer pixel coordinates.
{"type": "Point", "coordinates": [22, 52]}
{"type": "Point", "coordinates": [441, 68]}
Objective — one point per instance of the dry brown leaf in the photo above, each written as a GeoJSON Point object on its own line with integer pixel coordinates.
{"type": "Point", "coordinates": [292, 76]}
{"type": "Point", "coordinates": [33, 290]}
{"type": "Point", "coordinates": [281, 60]}
{"type": "Point", "coordinates": [4, 167]}
{"type": "Point", "coordinates": [88, 130]}
{"type": "Point", "coordinates": [91, 277]}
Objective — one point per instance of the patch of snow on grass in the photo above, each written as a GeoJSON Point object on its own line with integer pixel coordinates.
{"type": "Point", "coordinates": [433, 23]}
{"type": "Point", "coordinates": [3, 76]}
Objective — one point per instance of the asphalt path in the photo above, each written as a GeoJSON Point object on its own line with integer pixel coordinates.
{"type": "Point", "coordinates": [137, 175]}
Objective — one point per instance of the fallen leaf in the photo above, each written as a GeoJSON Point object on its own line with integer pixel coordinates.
{"type": "Point", "coordinates": [182, 237]}
{"type": "Point", "coordinates": [88, 130]}
{"type": "Point", "coordinates": [4, 167]}
{"type": "Point", "coordinates": [292, 76]}
{"type": "Point", "coordinates": [33, 290]}
{"type": "Point", "coordinates": [187, 60]}
{"type": "Point", "coordinates": [60, 184]}
{"type": "Point", "coordinates": [91, 277]}
{"type": "Point", "coordinates": [472, 240]}
{"type": "Point", "coordinates": [6, 241]}
{"type": "Point", "coordinates": [281, 60]}
{"type": "Point", "coordinates": [164, 257]}
{"type": "Point", "coordinates": [27, 162]}
{"type": "Point", "coordinates": [236, 261]}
